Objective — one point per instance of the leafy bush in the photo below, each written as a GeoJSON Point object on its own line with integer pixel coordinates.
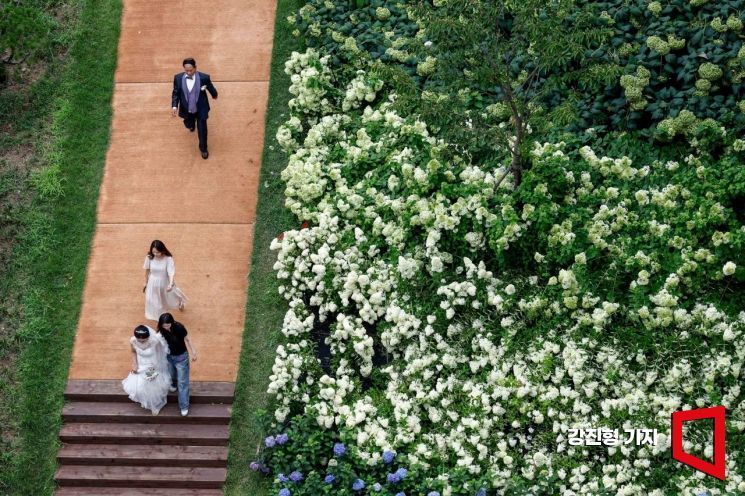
{"type": "Point", "coordinates": [490, 304]}
{"type": "Point", "coordinates": [471, 320]}
{"type": "Point", "coordinates": [355, 33]}
{"type": "Point", "coordinates": [681, 57]}
{"type": "Point", "coordinates": [679, 43]}
{"type": "Point", "coordinates": [24, 28]}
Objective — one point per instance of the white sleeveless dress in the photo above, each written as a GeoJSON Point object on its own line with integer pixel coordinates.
{"type": "Point", "coordinates": [149, 386]}
{"type": "Point", "coordinates": [157, 300]}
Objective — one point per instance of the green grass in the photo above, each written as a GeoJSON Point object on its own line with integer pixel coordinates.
{"type": "Point", "coordinates": [265, 309]}
{"type": "Point", "coordinates": [48, 266]}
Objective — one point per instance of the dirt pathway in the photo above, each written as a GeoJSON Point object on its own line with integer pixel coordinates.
{"type": "Point", "coordinates": [156, 185]}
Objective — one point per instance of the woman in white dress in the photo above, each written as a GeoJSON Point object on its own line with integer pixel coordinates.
{"type": "Point", "coordinates": [150, 378]}
{"type": "Point", "coordinates": [161, 292]}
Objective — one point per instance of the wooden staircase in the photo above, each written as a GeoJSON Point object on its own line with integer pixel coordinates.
{"type": "Point", "coordinates": [112, 446]}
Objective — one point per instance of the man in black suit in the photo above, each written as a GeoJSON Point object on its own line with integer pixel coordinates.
{"type": "Point", "coordinates": [189, 100]}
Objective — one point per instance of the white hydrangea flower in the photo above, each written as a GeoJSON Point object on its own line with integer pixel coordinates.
{"type": "Point", "coordinates": [729, 268]}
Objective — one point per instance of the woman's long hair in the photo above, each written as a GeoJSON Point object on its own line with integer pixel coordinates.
{"type": "Point", "coordinates": [160, 246]}
{"type": "Point", "coordinates": [165, 318]}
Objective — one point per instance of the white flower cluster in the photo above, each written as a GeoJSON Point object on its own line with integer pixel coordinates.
{"type": "Point", "coordinates": [486, 372]}
{"type": "Point", "coordinates": [310, 79]}
{"type": "Point", "coordinates": [361, 89]}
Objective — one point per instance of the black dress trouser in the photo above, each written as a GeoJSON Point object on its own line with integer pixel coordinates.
{"type": "Point", "coordinates": [190, 121]}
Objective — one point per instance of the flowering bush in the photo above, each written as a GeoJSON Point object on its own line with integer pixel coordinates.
{"type": "Point", "coordinates": [691, 47]}
{"type": "Point", "coordinates": [359, 34]}
{"type": "Point", "coordinates": [447, 328]}
{"type": "Point", "coordinates": [470, 325]}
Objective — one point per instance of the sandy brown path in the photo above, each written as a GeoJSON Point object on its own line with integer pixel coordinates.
{"type": "Point", "coordinates": [156, 185]}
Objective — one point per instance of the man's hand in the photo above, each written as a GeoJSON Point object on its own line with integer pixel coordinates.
{"type": "Point", "coordinates": [174, 111]}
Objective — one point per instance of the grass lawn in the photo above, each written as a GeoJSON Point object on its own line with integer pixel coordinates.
{"type": "Point", "coordinates": [47, 269]}
{"type": "Point", "coordinates": [265, 309]}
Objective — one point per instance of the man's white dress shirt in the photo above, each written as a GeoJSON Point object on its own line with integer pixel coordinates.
{"type": "Point", "coordinates": [189, 83]}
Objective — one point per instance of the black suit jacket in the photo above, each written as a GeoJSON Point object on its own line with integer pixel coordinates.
{"type": "Point", "coordinates": [178, 97]}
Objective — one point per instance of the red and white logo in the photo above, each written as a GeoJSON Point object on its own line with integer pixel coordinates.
{"type": "Point", "coordinates": [716, 469]}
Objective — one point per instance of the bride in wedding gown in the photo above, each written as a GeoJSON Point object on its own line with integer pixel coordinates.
{"type": "Point", "coordinates": [149, 379]}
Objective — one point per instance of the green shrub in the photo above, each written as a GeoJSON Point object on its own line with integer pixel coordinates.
{"type": "Point", "coordinates": [27, 29]}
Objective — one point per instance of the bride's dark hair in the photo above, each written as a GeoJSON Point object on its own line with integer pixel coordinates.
{"type": "Point", "coordinates": [142, 332]}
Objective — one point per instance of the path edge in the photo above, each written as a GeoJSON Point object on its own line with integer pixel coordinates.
{"type": "Point", "coordinates": [265, 308]}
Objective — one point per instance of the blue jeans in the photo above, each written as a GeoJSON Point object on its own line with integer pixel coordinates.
{"type": "Point", "coordinates": [179, 366]}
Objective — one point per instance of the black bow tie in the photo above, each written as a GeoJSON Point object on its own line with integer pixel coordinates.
{"type": "Point", "coordinates": [189, 77]}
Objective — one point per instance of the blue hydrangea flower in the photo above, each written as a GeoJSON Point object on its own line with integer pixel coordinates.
{"type": "Point", "coordinates": [282, 438]}
{"type": "Point", "coordinates": [433, 493]}
{"type": "Point", "coordinates": [254, 466]}
{"type": "Point", "coordinates": [393, 478]}
{"type": "Point", "coordinates": [358, 485]}
{"type": "Point", "coordinates": [377, 487]}
{"type": "Point", "coordinates": [401, 494]}
{"type": "Point", "coordinates": [401, 473]}
{"type": "Point", "coordinates": [284, 492]}
{"type": "Point", "coordinates": [388, 457]}
{"type": "Point", "coordinates": [269, 442]}
{"type": "Point", "coordinates": [329, 479]}
{"type": "Point", "coordinates": [481, 492]}
{"type": "Point", "coordinates": [296, 476]}
{"type": "Point", "coordinates": [282, 478]}
{"type": "Point", "coordinates": [339, 449]}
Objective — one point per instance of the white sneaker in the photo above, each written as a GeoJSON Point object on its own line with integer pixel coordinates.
{"type": "Point", "coordinates": [184, 413]}
{"type": "Point", "coordinates": [172, 389]}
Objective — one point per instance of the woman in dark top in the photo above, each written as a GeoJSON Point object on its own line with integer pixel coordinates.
{"type": "Point", "coordinates": [179, 350]}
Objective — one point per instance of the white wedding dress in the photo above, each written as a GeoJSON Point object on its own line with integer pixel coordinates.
{"type": "Point", "coordinates": [149, 386]}
{"type": "Point", "coordinates": [157, 299]}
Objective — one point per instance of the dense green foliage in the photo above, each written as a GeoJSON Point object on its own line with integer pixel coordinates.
{"type": "Point", "coordinates": [446, 322]}
{"type": "Point", "coordinates": [354, 34]}
{"type": "Point", "coordinates": [31, 30]}
{"type": "Point", "coordinates": [674, 55]}
{"type": "Point", "coordinates": [646, 61]}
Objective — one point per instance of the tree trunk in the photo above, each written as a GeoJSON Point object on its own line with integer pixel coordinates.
{"type": "Point", "coordinates": [517, 166]}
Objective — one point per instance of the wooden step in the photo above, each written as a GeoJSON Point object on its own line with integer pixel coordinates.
{"type": "Point", "coordinates": [142, 476]}
{"type": "Point", "coordinates": [98, 411]}
{"type": "Point", "coordinates": [126, 433]}
{"type": "Point", "coordinates": [111, 390]}
{"type": "Point", "coordinates": [150, 455]}
{"type": "Point", "coordinates": [126, 491]}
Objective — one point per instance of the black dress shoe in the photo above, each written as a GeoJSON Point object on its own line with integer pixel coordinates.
{"type": "Point", "coordinates": [205, 155]}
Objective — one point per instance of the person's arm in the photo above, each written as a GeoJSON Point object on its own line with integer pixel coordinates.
{"type": "Point", "coordinates": [171, 269]}
{"type": "Point", "coordinates": [134, 359]}
{"type": "Point", "coordinates": [175, 96]}
{"type": "Point", "coordinates": [190, 347]}
{"type": "Point", "coordinates": [147, 273]}
{"type": "Point", "coordinates": [211, 88]}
